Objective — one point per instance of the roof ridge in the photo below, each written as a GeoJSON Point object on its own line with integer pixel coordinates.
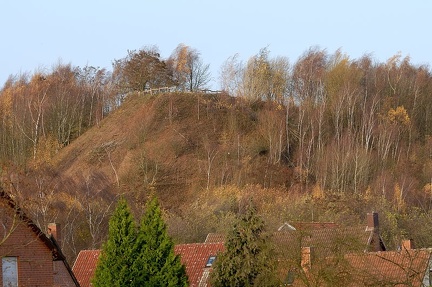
{"type": "Point", "coordinates": [199, 243]}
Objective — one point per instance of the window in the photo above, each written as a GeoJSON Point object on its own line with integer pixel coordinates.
{"type": "Point", "coordinates": [10, 271]}
{"type": "Point", "coordinates": [210, 261]}
{"type": "Point", "coordinates": [289, 280]}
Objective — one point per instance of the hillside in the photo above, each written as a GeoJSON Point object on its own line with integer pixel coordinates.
{"type": "Point", "coordinates": [177, 144]}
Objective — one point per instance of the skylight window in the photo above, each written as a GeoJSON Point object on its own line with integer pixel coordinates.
{"type": "Point", "coordinates": [210, 261]}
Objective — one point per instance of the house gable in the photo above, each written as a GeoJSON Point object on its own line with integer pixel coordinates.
{"type": "Point", "coordinates": [41, 262]}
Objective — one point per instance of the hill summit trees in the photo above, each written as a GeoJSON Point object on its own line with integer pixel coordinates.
{"type": "Point", "coordinates": [139, 257]}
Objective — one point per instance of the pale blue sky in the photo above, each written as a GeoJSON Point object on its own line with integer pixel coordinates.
{"type": "Point", "coordinates": [37, 34]}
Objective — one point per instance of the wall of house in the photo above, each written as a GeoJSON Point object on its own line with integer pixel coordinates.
{"type": "Point", "coordinates": [62, 277]}
{"type": "Point", "coordinates": [35, 264]}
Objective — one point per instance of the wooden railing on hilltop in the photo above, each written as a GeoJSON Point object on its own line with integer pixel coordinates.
{"type": "Point", "coordinates": [175, 89]}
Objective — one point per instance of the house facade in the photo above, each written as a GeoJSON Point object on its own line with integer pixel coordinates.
{"type": "Point", "coordinates": [29, 257]}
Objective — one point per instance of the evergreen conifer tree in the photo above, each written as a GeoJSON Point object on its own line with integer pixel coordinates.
{"type": "Point", "coordinates": [113, 269]}
{"type": "Point", "coordinates": [156, 264]}
{"type": "Point", "coordinates": [246, 260]}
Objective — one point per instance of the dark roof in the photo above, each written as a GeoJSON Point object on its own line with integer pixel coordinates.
{"type": "Point", "coordinates": [307, 225]}
{"type": "Point", "coordinates": [50, 242]}
{"type": "Point", "coordinates": [85, 266]}
{"type": "Point", "coordinates": [327, 242]}
{"type": "Point", "coordinates": [324, 235]}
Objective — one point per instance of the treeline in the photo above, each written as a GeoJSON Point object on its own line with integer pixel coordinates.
{"type": "Point", "coordinates": [45, 111]}
{"type": "Point", "coordinates": [42, 112]}
{"type": "Point", "coordinates": [350, 125]}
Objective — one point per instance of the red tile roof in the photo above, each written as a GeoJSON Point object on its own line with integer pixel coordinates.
{"type": "Point", "coordinates": [385, 268]}
{"type": "Point", "coordinates": [85, 266]}
{"type": "Point", "coordinates": [393, 268]}
{"type": "Point", "coordinates": [195, 256]}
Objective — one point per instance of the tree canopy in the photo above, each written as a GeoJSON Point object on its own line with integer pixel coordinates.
{"type": "Point", "coordinates": [139, 257]}
{"type": "Point", "coordinates": [141, 70]}
{"type": "Point", "coordinates": [156, 263]}
{"type": "Point", "coordinates": [117, 254]}
{"type": "Point", "coordinates": [246, 260]}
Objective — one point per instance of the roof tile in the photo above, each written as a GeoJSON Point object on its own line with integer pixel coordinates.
{"type": "Point", "coordinates": [195, 256]}
{"type": "Point", "coordinates": [85, 266]}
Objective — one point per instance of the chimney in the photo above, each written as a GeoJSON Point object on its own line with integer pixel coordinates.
{"type": "Point", "coordinates": [407, 244]}
{"type": "Point", "coordinates": [307, 254]}
{"type": "Point", "coordinates": [372, 221]}
{"type": "Point", "coordinates": [54, 231]}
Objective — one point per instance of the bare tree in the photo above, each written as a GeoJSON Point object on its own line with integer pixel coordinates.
{"type": "Point", "coordinates": [8, 222]}
{"type": "Point", "coordinates": [33, 98]}
{"type": "Point", "coordinates": [263, 78]}
{"type": "Point", "coordinates": [231, 75]}
{"type": "Point", "coordinates": [96, 206]}
{"type": "Point", "coordinates": [256, 78]}
{"type": "Point", "coordinates": [188, 68]}
{"type": "Point", "coordinates": [280, 76]}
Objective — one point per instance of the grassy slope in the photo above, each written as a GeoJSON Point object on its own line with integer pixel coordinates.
{"type": "Point", "coordinates": [169, 143]}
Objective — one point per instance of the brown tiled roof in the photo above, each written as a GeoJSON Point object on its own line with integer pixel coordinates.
{"type": "Point", "coordinates": [320, 234]}
{"type": "Point", "coordinates": [324, 240]}
{"type": "Point", "coordinates": [386, 268]}
{"type": "Point", "coordinates": [355, 237]}
{"type": "Point", "coordinates": [390, 268]}
{"type": "Point", "coordinates": [346, 240]}
{"type": "Point", "coordinates": [214, 238]}
{"type": "Point", "coordinates": [195, 256]}
{"type": "Point", "coordinates": [85, 266]}
{"type": "Point", "coordinates": [313, 225]}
